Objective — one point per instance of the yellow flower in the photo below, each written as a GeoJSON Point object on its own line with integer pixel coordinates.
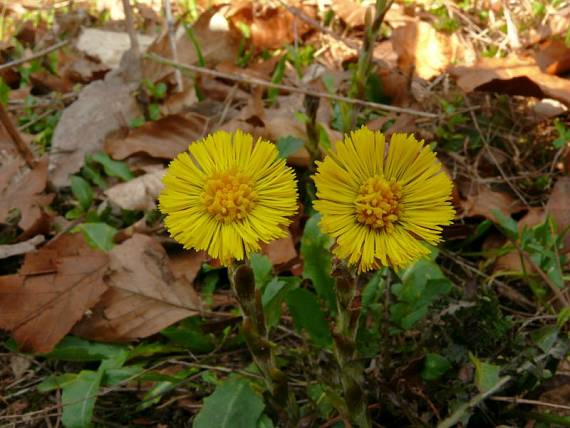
{"type": "Point", "coordinates": [227, 195]}
{"type": "Point", "coordinates": [379, 201]}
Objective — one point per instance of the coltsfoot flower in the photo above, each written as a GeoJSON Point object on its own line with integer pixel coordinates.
{"type": "Point", "coordinates": [379, 201]}
{"type": "Point", "coordinates": [227, 195]}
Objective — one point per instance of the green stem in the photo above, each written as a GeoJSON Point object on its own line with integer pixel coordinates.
{"type": "Point", "coordinates": [344, 346]}
{"type": "Point", "coordinates": [256, 336]}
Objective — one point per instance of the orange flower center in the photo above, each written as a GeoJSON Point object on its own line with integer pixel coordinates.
{"type": "Point", "coordinates": [378, 203]}
{"type": "Point", "coordinates": [229, 196]}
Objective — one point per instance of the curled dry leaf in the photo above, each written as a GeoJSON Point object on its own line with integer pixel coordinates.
{"type": "Point", "coordinates": [212, 33]}
{"type": "Point", "coordinates": [481, 201]}
{"type": "Point", "coordinates": [22, 195]}
{"type": "Point", "coordinates": [426, 51]}
{"type": "Point", "coordinates": [553, 57]}
{"type": "Point", "coordinates": [103, 108]}
{"type": "Point", "coordinates": [143, 296]}
{"type": "Point", "coordinates": [271, 27]}
{"type": "Point", "coordinates": [353, 13]}
{"type": "Point", "coordinates": [164, 138]}
{"type": "Point", "coordinates": [54, 287]}
{"type": "Point", "coordinates": [514, 75]}
{"type": "Point", "coordinates": [139, 193]}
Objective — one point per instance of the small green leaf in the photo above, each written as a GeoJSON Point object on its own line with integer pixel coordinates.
{"type": "Point", "coordinates": [154, 111]}
{"type": "Point", "coordinates": [56, 382]}
{"type": "Point", "coordinates": [563, 317]}
{"type": "Point", "coordinates": [78, 399]}
{"type": "Point", "coordinates": [265, 422]}
{"type": "Point", "coordinates": [545, 338]}
{"type": "Point", "coordinates": [98, 235]}
{"type": "Point", "coordinates": [507, 224]}
{"type": "Point", "coordinates": [159, 90]}
{"type": "Point", "coordinates": [137, 122]}
{"type": "Point", "coordinates": [262, 269]}
{"type": "Point", "coordinates": [289, 145]}
{"type": "Point", "coordinates": [232, 405]}
{"type": "Point", "coordinates": [72, 348]}
{"type": "Point", "coordinates": [189, 333]}
{"type": "Point", "coordinates": [486, 375]}
{"type": "Point", "coordinates": [435, 366]}
{"type": "Point", "coordinates": [82, 191]}
{"type": "Point", "coordinates": [112, 167]}
{"type": "Point", "coordinates": [315, 247]}
{"type": "Point", "coordinates": [277, 77]}
{"type": "Point", "coordinates": [307, 315]}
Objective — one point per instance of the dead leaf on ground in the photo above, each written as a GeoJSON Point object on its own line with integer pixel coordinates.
{"type": "Point", "coordinates": [139, 193]}
{"type": "Point", "coordinates": [558, 206]}
{"type": "Point", "coordinates": [427, 52]}
{"type": "Point", "coordinates": [353, 13]}
{"type": "Point", "coordinates": [104, 107]}
{"type": "Point", "coordinates": [54, 287]}
{"type": "Point", "coordinates": [21, 195]}
{"type": "Point", "coordinates": [553, 57]}
{"type": "Point", "coordinates": [187, 264]}
{"type": "Point", "coordinates": [514, 75]}
{"type": "Point", "coordinates": [143, 296]}
{"type": "Point", "coordinates": [482, 200]}
{"type": "Point", "coordinates": [164, 138]}
{"type": "Point", "coordinates": [108, 47]}
{"type": "Point", "coordinates": [280, 251]}
{"type": "Point", "coordinates": [271, 27]}
{"type": "Point", "coordinates": [217, 41]}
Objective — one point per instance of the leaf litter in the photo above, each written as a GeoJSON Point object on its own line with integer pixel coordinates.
{"type": "Point", "coordinates": [491, 91]}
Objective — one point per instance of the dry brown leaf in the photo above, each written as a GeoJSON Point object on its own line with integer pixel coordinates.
{"type": "Point", "coordinates": [218, 43]}
{"type": "Point", "coordinates": [271, 27]}
{"type": "Point", "coordinates": [482, 201]}
{"type": "Point", "coordinates": [23, 191]}
{"type": "Point", "coordinates": [55, 286]}
{"type": "Point", "coordinates": [280, 251]}
{"type": "Point", "coordinates": [353, 13]}
{"type": "Point", "coordinates": [164, 138]}
{"type": "Point", "coordinates": [514, 75]}
{"type": "Point", "coordinates": [143, 296]}
{"type": "Point", "coordinates": [107, 47]}
{"type": "Point", "coordinates": [553, 57]}
{"type": "Point", "coordinates": [187, 264]}
{"type": "Point", "coordinates": [421, 48]}
{"type": "Point", "coordinates": [103, 108]}
{"type": "Point", "coordinates": [139, 193]}
{"type": "Point", "coordinates": [558, 206]}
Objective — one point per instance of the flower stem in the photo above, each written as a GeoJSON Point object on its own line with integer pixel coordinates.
{"type": "Point", "coordinates": [344, 335]}
{"type": "Point", "coordinates": [255, 333]}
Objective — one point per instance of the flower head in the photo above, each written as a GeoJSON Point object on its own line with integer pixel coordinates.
{"type": "Point", "coordinates": [379, 201]}
{"type": "Point", "coordinates": [227, 195]}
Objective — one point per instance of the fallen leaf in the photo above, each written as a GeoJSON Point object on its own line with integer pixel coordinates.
{"type": "Point", "coordinates": [143, 296]}
{"type": "Point", "coordinates": [280, 251]}
{"type": "Point", "coordinates": [24, 192]}
{"type": "Point", "coordinates": [553, 57]}
{"type": "Point", "coordinates": [514, 75]}
{"type": "Point", "coordinates": [482, 201]}
{"type": "Point", "coordinates": [139, 193]}
{"type": "Point", "coordinates": [20, 365]}
{"type": "Point", "coordinates": [270, 27]}
{"type": "Point", "coordinates": [558, 206]}
{"type": "Point", "coordinates": [216, 40]}
{"type": "Point", "coordinates": [108, 47]}
{"type": "Point", "coordinates": [353, 13]}
{"type": "Point", "coordinates": [421, 48]}
{"type": "Point", "coordinates": [103, 108]}
{"type": "Point", "coordinates": [187, 264]}
{"type": "Point", "coordinates": [21, 247]}
{"type": "Point", "coordinates": [54, 287]}
{"type": "Point", "coordinates": [164, 138]}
